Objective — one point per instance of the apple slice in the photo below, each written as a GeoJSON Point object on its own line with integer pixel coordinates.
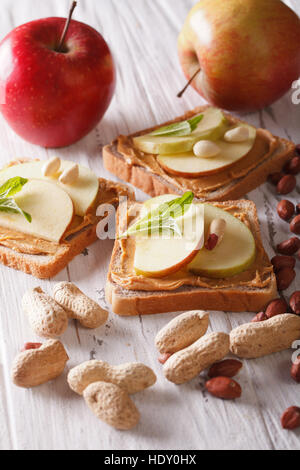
{"type": "Point", "coordinates": [211, 127]}
{"type": "Point", "coordinates": [83, 192]}
{"type": "Point", "coordinates": [190, 166]}
{"type": "Point", "coordinates": [50, 207]}
{"type": "Point", "coordinates": [235, 253]}
{"type": "Point", "coordinates": [160, 255]}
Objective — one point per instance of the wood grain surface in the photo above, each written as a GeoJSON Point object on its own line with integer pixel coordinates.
{"type": "Point", "coordinates": [142, 35]}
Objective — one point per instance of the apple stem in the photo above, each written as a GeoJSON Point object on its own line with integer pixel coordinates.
{"type": "Point", "coordinates": [180, 94]}
{"type": "Point", "coordinates": [63, 36]}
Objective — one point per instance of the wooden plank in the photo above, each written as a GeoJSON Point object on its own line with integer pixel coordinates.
{"type": "Point", "coordinates": [6, 438]}
{"type": "Point", "coordinates": [143, 37]}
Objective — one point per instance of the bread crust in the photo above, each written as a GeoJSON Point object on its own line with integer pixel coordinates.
{"type": "Point", "coordinates": [155, 185]}
{"type": "Point", "coordinates": [125, 303]}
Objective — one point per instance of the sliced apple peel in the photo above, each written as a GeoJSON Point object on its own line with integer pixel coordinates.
{"type": "Point", "coordinates": [235, 254]}
{"type": "Point", "coordinates": [50, 207]}
{"type": "Point", "coordinates": [83, 190]}
{"type": "Point", "coordinates": [206, 149]}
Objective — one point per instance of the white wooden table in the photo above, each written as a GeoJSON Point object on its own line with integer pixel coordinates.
{"type": "Point", "coordinates": [142, 35]}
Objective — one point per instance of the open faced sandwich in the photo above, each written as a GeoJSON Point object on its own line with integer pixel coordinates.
{"type": "Point", "coordinates": [206, 151]}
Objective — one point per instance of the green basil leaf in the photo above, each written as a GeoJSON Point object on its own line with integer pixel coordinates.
{"type": "Point", "coordinates": [178, 207]}
{"type": "Point", "coordinates": [8, 204]}
{"type": "Point", "coordinates": [162, 218]}
{"type": "Point", "coordinates": [180, 129]}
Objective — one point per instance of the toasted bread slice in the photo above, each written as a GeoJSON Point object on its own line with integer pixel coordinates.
{"type": "Point", "coordinates": [227, 295]}
{"type": "Point", "coordinates": [124, 161]}
{"type": "Point", "coordinates": [44, 259]}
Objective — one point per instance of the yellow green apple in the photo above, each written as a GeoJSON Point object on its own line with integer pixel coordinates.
{"type": "Point", "coordinates": [248, 52]}
{"type": "Point", "coordinates": [235, 253]}
{"type": "Point", "coordinates": [212, 126]}
{"type": "Point", "coordinates": [50, 207]}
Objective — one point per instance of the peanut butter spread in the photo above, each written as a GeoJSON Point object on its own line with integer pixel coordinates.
{"type": "Point", "coordinates": [259, 275]}
{"type": "Point", "coordinates": [22, 243]}
{"type": "Point", "coordinates": [264, 146]}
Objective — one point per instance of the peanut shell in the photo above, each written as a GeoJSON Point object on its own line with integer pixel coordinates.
{"type": "Point", "coordinates": [37, 366]}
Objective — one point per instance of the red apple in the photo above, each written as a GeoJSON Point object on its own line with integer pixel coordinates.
{"type": "Point", "coordinates": [55, 98]}
{"type": "Point", "coordinates": [248, 51]}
